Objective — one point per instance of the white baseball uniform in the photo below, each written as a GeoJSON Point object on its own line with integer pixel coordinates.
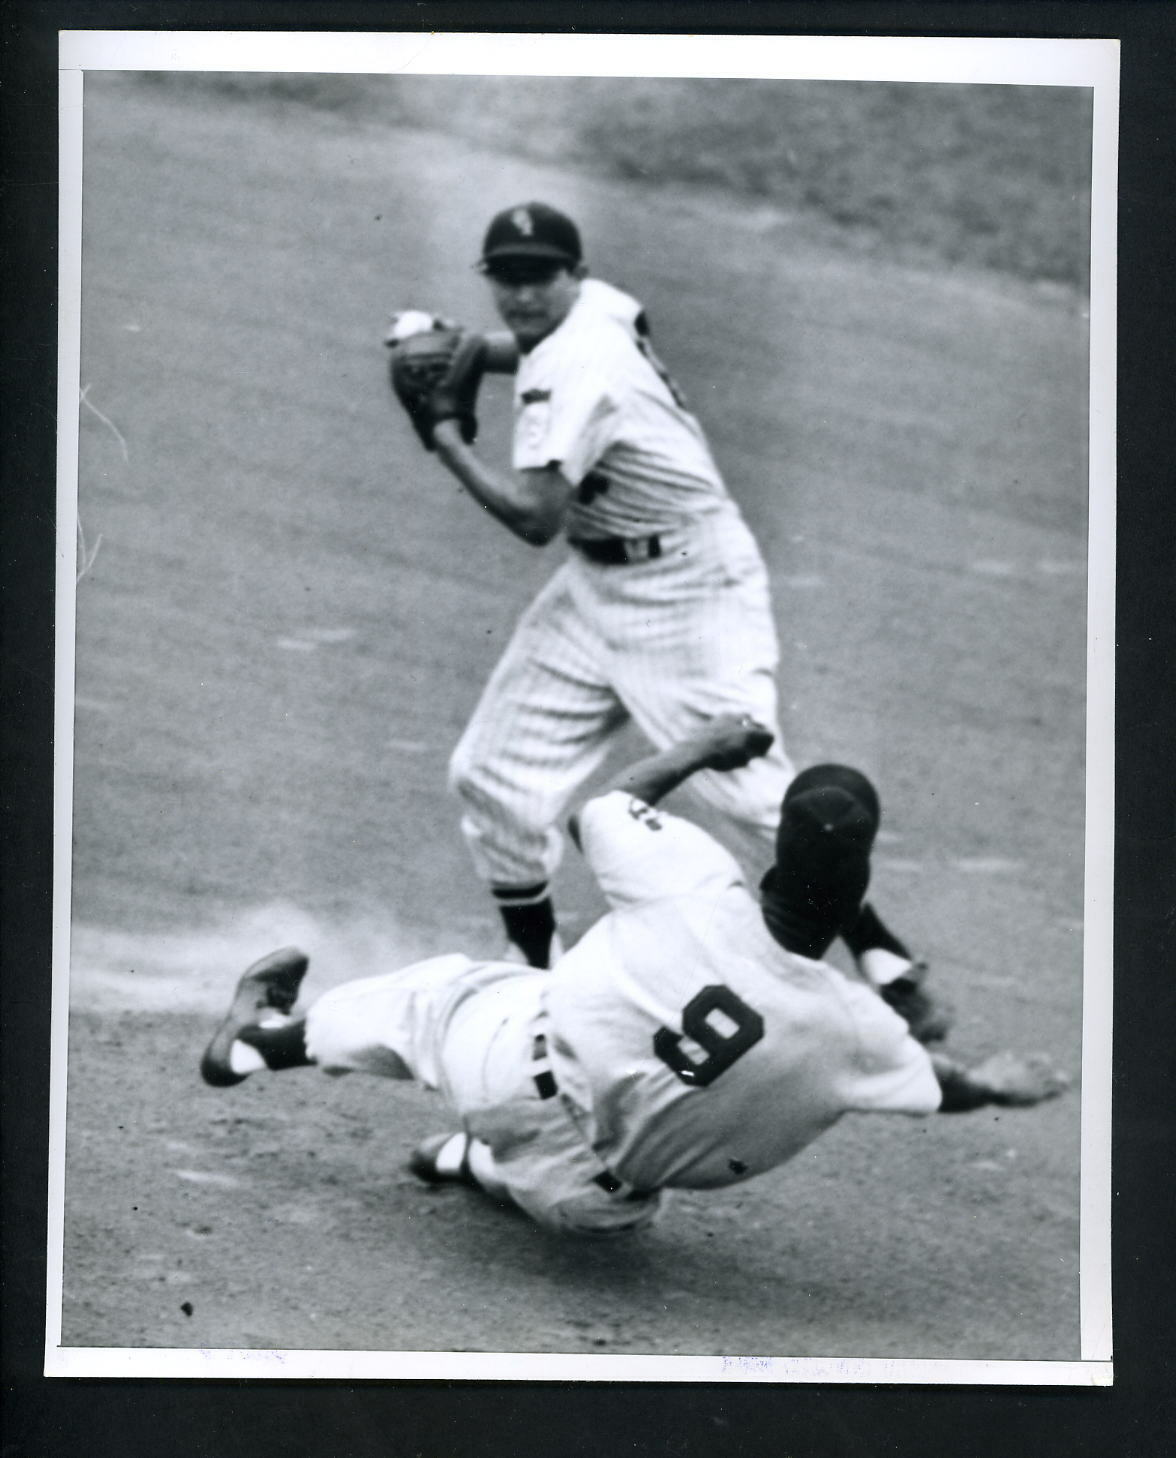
{"type": "Point", "coordinates": [676, 1046]}
{"type": "Point", "coordinates": [680, 633]}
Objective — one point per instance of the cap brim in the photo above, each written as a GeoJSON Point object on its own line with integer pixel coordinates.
{"type": "Point", "coordinates": [524, 251]}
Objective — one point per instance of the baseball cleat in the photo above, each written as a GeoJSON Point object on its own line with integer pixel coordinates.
{"type": "Point", "coordinates": [443, 1159]}
{"type": "Point", "coordinates": [927, 1019]}
{"type": "Point", "coordinates": [270, 984]}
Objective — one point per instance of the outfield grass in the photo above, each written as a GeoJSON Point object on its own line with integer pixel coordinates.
{"type": "Point", "coordinates": [994, 177]}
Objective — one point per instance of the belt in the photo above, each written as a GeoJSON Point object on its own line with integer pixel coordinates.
{"type": "Point", "coordinates": [618, 551]}
{"type": "Point", "coordinates": [547, 1088]}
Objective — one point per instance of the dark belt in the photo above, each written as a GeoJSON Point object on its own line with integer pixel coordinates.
{"type": "Point", "coordinates": [544, 1080]}
{"type": "Point", "coordinates": [618, 551]}
{"type": "Point", "coordinates": [547, 1088]}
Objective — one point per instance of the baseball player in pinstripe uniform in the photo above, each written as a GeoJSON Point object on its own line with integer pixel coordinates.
{"type": "Point", "coordinates": [661, 613]}
{"type": "Point", "coordinates": [692, 1039]}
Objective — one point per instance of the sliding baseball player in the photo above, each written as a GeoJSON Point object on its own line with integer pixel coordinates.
{"type": "Point", "coordinates": [692, 1039]}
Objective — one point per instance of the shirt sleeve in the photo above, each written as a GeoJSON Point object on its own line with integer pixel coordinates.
{"type": "Point", "coordinates": [569, 417]}
{"type": "Point", "coordinates": [640, 854]}
{"type": "Point", "coordinates": [890, 1073]}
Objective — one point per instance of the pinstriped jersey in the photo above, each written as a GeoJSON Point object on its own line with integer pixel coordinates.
{"type": "Point", "coordinates": [698, 1051]}
{"type": "Point", "coordinates": [593, 399]}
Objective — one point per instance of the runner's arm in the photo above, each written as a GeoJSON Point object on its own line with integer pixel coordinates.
{"type": "Point", "coordinates": [729, 741]}
{"type": "Point", "coordinates": [726, 742]}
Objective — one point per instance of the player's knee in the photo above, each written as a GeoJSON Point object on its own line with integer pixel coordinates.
{"type": "Point", "coordinates": [465, 776]}
{"type": "Point", "coordinates": [749, 797]}
{"type": "Point", "coordinates": [494, 801]}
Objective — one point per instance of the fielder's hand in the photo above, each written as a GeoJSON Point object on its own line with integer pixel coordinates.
{"type": "Point", "coordinates": [730, 741]}
{"type": "Point", "coordinates": [435, 369]}
{"type": "Point", "coordinates": [1017, 1081]}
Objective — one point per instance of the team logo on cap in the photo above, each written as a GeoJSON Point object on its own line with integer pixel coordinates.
{"type": "Point", "coordinates": [523, 222]}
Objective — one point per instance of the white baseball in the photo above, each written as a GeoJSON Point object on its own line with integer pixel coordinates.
{"type": "Point", "coordinates": [407, 322]}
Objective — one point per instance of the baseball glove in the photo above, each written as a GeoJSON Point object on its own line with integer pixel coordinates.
{"type": "Point", "coordinates": [435, 374]}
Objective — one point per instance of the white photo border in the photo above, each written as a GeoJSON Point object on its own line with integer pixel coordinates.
{"type": "Point", "coordinates": [1089, 63]}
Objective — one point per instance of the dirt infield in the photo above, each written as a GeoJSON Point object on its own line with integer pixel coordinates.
{"type": "Point", "coordinates": [288, 618]}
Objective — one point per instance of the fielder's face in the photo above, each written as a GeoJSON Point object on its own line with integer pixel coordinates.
{"type": "Point", "coordinates": [533, 299]}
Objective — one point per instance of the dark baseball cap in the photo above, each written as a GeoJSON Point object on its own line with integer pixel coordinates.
{"type": "Point", "coordinates": [531, 231]}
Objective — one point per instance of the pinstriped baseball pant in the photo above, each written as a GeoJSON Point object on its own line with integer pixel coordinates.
{"type": "Point", "coordinates": [667, 643]}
